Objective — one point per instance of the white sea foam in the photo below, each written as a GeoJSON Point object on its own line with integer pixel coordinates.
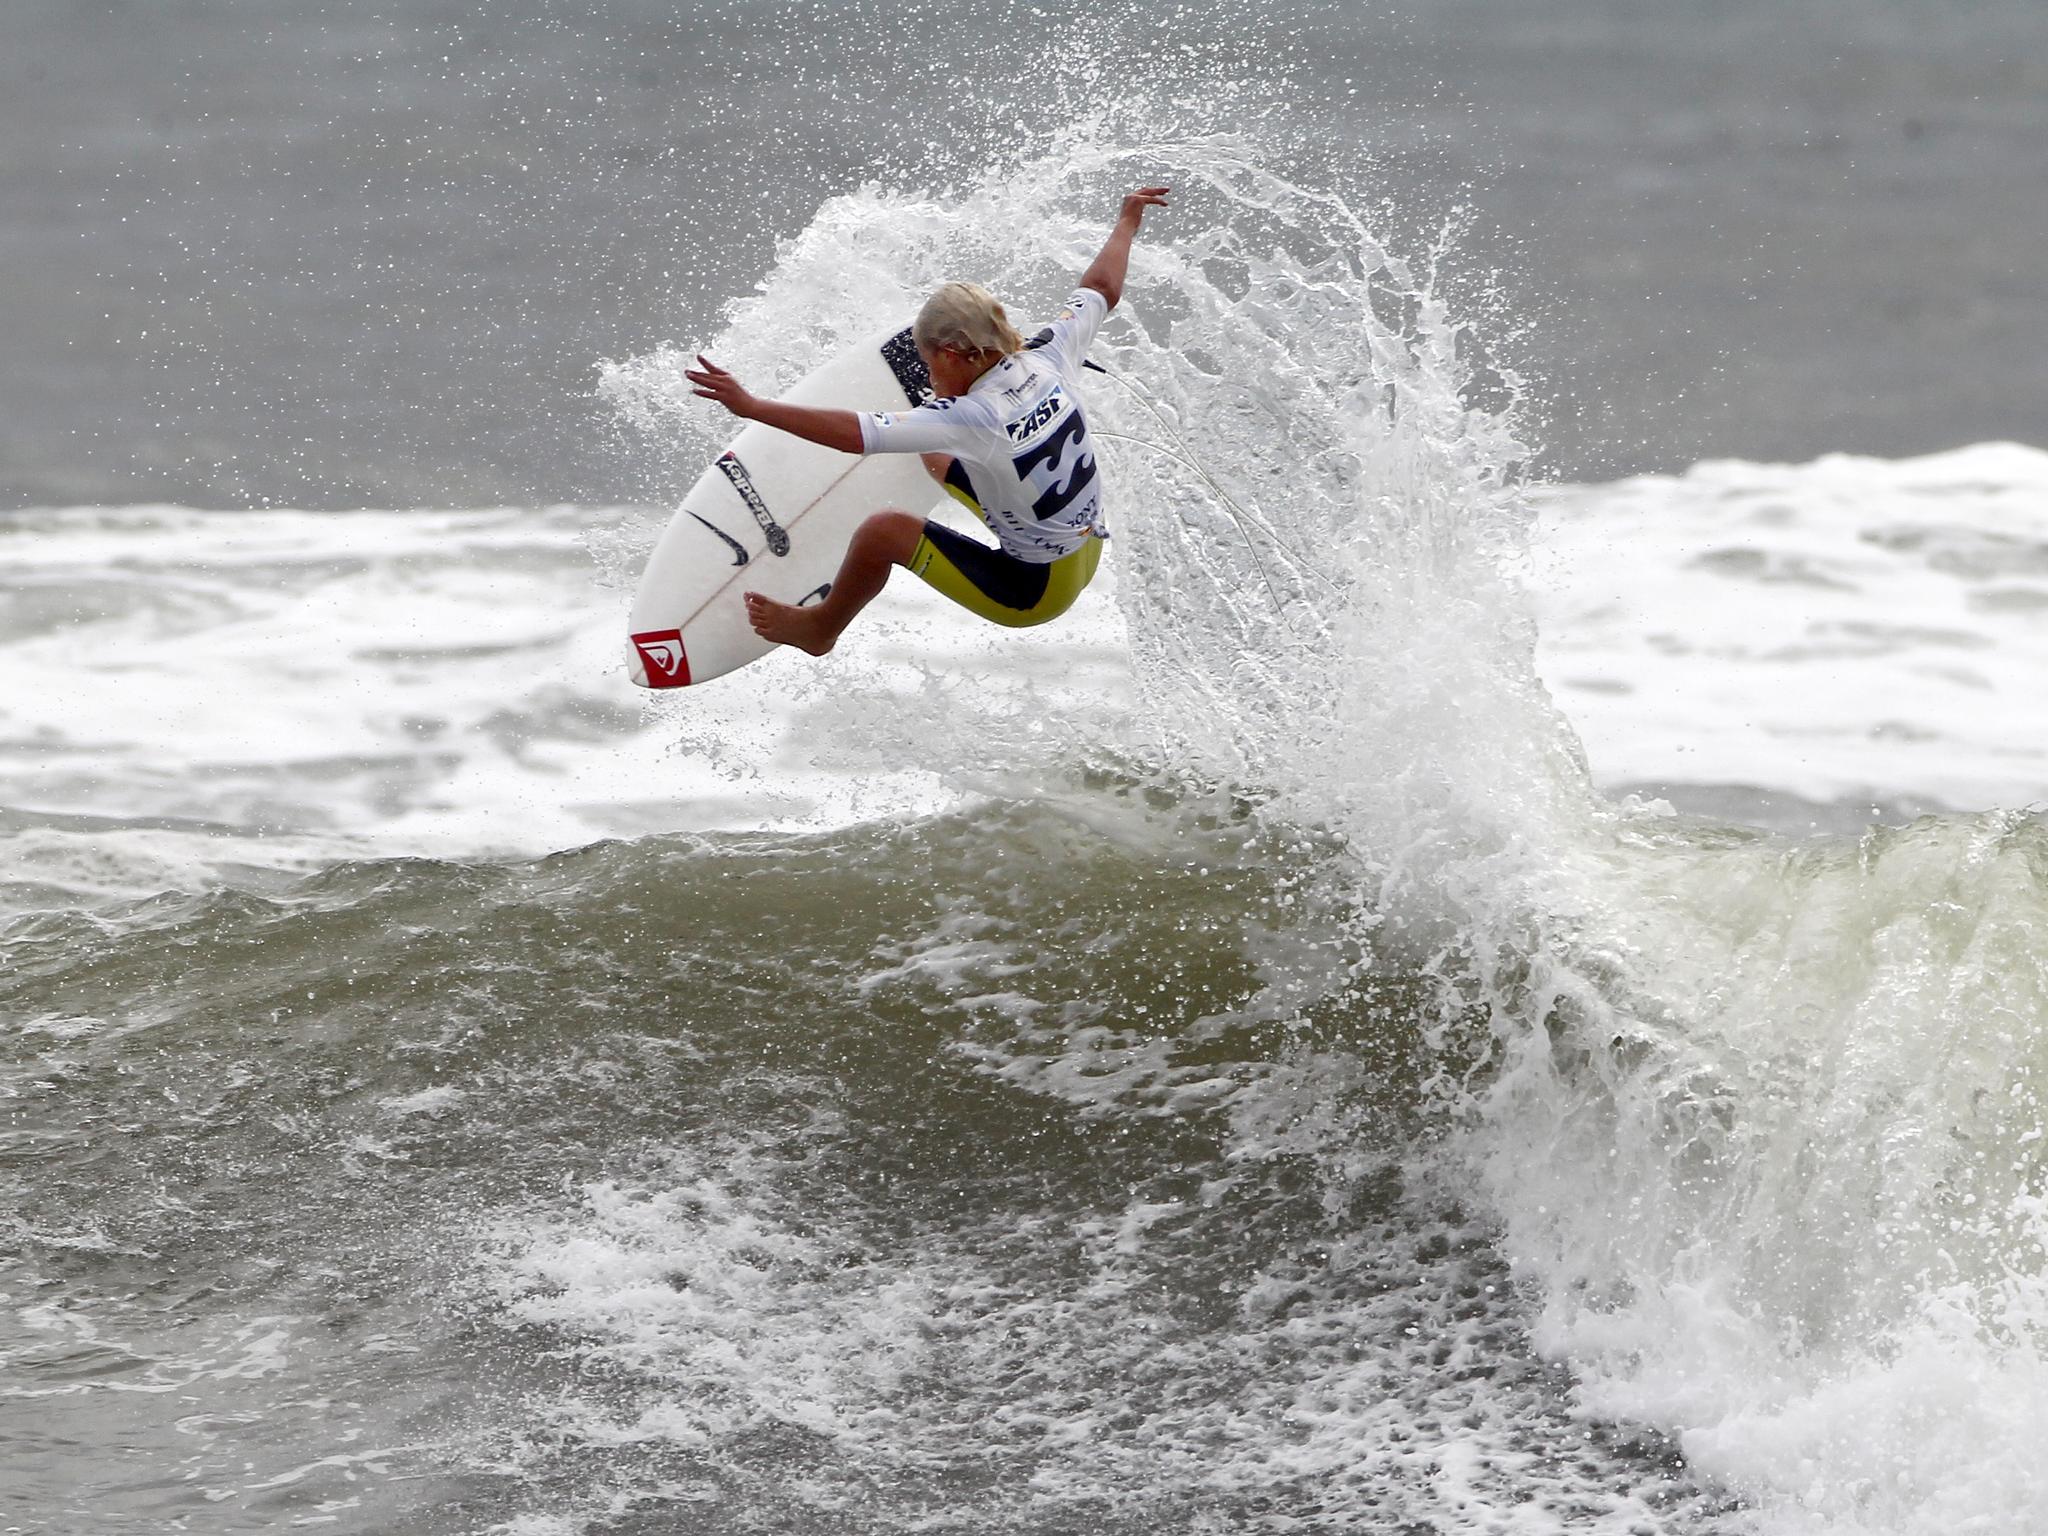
{"type": "Point", "coordinates": [1848, 629]}
{"type": "Point", "coordinates": [428, 1101]}
{"type": "Point", "coordinates": [206, 695]}
{"type": "Point", "coordinates": [210, 691]}
{"type": "Point", "coordinates": [711, 1308]}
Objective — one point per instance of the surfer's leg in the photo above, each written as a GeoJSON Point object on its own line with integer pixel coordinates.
{"type": "Point", "coordinates": [999, 587]}
{"type": "Point", "coordinates": [987, 582]}
{"type": "Point", "coordinates": [884, 540]}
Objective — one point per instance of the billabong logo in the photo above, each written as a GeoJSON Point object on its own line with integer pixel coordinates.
{"type": "Point", "coordinates": [816, 595]}
{"type": "Point", "coordinates": [739, 551]}
{"type": "Point", "coordinates": [736, 472]}
{"type": "Point", "coordinates": [662, 657]}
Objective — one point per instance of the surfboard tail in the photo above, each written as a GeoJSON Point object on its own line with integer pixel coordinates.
{"type": "Point", "coordinates": [662, 660]}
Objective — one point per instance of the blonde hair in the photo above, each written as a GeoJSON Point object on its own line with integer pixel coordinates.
{"type": "Point", "coordinates": [965, 317]}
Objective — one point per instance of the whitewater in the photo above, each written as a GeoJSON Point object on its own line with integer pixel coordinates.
{"type": "Point", "coordinates": [1430, 1002]}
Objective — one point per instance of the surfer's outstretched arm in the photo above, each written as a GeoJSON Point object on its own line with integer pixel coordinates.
{"type": "Point", "coordinates": [828, 428]}
{"type": "Point", "coordinates": [1105, 273]}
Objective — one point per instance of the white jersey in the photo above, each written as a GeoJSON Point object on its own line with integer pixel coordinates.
{"type": "Point", "coordinates": [1021, 436]}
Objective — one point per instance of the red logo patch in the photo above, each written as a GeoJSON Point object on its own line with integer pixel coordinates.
{"type": "Point", "coordinates": [661, 654]}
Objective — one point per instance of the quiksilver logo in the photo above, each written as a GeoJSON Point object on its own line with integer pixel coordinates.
{"type": "Point", "coordinates": [736, 472]}
{"type": "Point", "coordinates": [663, 659]}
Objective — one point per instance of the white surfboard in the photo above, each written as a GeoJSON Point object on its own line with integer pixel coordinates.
{"type": "Point", "coordinates": [773, 514]}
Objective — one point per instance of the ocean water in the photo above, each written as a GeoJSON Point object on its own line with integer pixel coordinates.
{"type": "Point", "coordinates": [1439, 1000]}
{"type": "Point", "coordinates": [350, 253]}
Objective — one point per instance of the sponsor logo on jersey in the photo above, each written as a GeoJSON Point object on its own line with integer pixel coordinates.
{"type": "Point", "coordinates": [1027, 380]}
{"type": "Point", "coordinates": [661, 654]}
{"type": "Point", "coordinates": [739, 550]}
{"type": "Point", "coordinates": [1041, 416]}
{"type": "Point", "coordinates": [1042, 465]}
{"type": "Point", "coordinates": [736, 472]}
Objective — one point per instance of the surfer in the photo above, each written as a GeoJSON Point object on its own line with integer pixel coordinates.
{"type": "Point", "coordinates": [1005, 433]}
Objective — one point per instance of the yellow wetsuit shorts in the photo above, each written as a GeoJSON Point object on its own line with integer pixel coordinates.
{"type": "Point", "coordinates": [997, 586]}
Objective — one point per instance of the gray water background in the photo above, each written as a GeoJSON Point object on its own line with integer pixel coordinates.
{"type": "Point", "coordinates": [338, 253]}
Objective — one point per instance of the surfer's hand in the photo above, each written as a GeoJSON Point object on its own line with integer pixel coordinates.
{"type": "Point", "coordinates": [1145, 197]}
{"type": "Point", "coordinates": [1112, 264]}
{"type": "Point", "coordinates": [712, 382]}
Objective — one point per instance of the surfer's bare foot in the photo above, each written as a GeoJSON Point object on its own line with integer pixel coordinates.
{"type": "Point", "coordinates": [808, 629]}
{"type": "Point", "coordinates": [886, 540]}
